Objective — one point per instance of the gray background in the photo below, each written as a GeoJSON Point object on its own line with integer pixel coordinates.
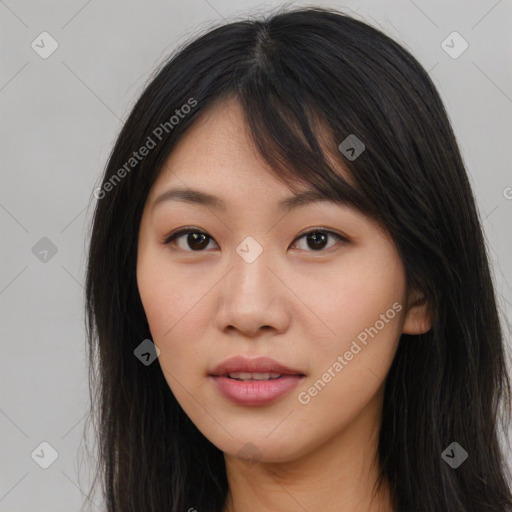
{"type": "Point", "coordinates": [59, 119]}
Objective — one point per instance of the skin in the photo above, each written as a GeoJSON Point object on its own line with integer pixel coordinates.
{"type": "Point", "coordinates": [299, 305]}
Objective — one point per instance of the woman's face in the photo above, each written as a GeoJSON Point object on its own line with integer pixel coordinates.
{"type": "Point", "coordinates": [326, 312]}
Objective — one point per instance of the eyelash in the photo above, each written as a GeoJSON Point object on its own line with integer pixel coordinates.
{"type": "Point", "coordinates": [185, 231]}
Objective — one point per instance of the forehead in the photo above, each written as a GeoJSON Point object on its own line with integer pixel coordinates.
{"type": "Point", "coordinates": [215, 148]}
{"type": "Point", "coordinates": [217, 153]}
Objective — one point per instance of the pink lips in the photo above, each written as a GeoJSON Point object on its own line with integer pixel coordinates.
{"type": "Point", "coordinates": [254, 392]}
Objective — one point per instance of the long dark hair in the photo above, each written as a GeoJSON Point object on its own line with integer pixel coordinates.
{"type": "Point", "coordinates": [294, 72]}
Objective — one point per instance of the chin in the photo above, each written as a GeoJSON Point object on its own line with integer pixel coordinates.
{"type": "Point", "coordinates": [257, 447]}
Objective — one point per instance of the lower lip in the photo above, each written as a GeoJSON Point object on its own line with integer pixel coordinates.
{"type": "Point", "coordinates": [253, 392]}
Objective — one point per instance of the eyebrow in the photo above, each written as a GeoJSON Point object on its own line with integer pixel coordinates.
{"type": "Point", "coordinates": [193, 196]}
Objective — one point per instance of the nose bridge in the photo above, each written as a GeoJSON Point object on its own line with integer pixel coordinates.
{"type": "Point", "coordinates": [250, 294]}
{"type": "Point", "coordinates": [249, 278]}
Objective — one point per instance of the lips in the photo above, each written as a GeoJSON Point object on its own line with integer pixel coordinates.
{"type": "Point", "coordinates": [254, 382]}
{"type": "Point", "coordinates": [261, 365]}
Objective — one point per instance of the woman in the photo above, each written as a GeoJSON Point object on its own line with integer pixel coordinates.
{"type": "Point", "coordinates": [288, 294]}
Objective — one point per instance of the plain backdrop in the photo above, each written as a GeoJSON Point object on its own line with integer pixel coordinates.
{"type": "Point", "coordinates": [60, 116]}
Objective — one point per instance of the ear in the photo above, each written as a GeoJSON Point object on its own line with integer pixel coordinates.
{"type": "Point", "coordinates": [418, 319]}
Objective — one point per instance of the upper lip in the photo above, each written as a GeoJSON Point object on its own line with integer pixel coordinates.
{"type": "Point", "coordinates": [253, 365]}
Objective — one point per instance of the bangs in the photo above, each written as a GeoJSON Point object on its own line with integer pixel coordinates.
{"type": "Point", "coordinates": [295, 138]}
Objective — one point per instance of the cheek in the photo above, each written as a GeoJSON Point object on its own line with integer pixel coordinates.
{"type": "Point", "coordinates": [160, 290]}
{"type": "Point", "coordinates": [176, 307]}
{"type": "Point", "coordinates": [351, 297]}
{"type": "Point", "coordinates": [170, 314]}
{"type": "Point", "coordinates": [157, 299]}
{"type": "Point", "coordinates": [369, 294]}
{"type": "Point", "coordinates": [363, 308]}
{"type": "Point", "coordinates": [169, 308]}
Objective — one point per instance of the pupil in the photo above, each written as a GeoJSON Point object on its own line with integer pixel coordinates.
{"type": "Point", "coordinates": [193, 238]}
{"type": "Point", "coordinates": [316, 239]}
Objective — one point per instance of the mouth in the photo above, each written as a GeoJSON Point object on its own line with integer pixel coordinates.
{"type": "Point", "coordinates": [245, 376]}
{"type": "Point", "coordinates": [252, 382]}
{"type": "Point", "coordinates": [261, 368]}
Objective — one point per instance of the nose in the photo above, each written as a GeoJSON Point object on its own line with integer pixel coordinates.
{"type": "Point", "coordinates": [253, 297]}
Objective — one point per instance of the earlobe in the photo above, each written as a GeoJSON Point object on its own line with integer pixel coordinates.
{"type": "Point", "coordinates": [418, 319]}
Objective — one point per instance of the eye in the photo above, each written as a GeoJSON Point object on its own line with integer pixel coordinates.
{"type": "Point", "coordinates": [197, 240]}
{"type": "Point", "coordinates": [317, 238]}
